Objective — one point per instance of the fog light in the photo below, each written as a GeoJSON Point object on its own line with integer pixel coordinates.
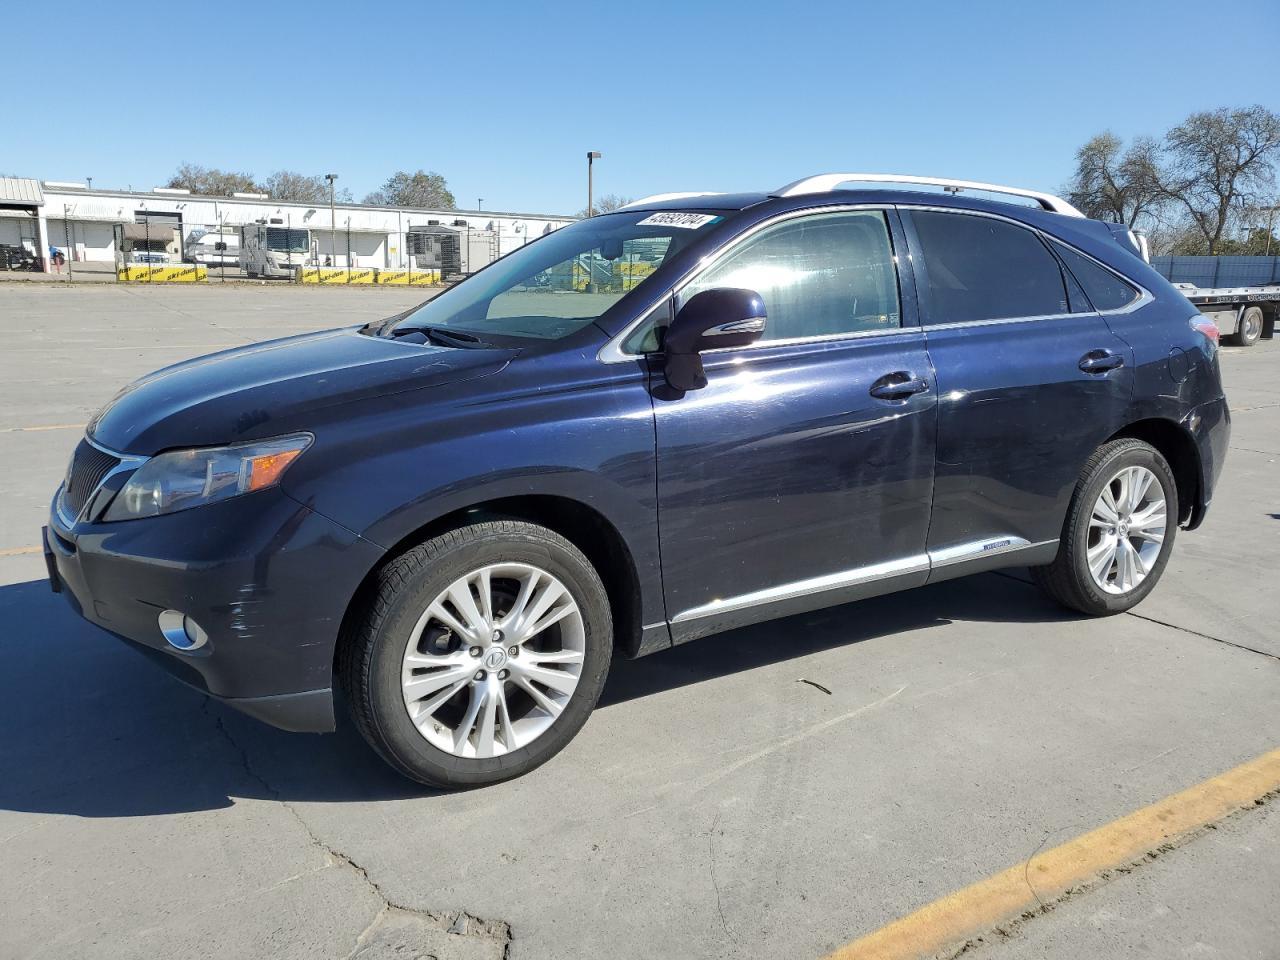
{"type": "Point", "coordinates": [181, 632]}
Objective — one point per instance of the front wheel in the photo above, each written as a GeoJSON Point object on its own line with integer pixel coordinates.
{"type": "Point", "coordinates": [479, 654]}
{"type": "Point", "coordinates": [1119, 531]}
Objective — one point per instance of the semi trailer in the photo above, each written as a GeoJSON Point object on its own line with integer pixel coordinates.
{"type": "Point", "coordinates": [1243, 315]}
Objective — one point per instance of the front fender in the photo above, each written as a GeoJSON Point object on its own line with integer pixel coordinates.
{"type": "Point", "coordinates": [391, 468]}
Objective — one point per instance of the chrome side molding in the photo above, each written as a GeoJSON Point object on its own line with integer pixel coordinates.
{"type": "Point", "coordinates": [919, 563]}
{"type": "Point", "coordinates": [992, 547]}
{"type": "Point", "coordinates": [801, 588]}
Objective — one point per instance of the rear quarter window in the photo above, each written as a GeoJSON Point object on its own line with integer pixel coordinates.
{"type": "Point", "coordinates": [1104, 289]}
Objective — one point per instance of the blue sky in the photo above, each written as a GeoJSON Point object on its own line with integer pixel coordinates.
{"type": "Point", "coordinates": [505, 99]}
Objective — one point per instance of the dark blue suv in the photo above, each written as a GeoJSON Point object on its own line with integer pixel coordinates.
{"type": "Point", "coordinates": [699, 412]}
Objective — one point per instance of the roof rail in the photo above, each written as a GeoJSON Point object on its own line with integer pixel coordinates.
{"type": "Point", "coordinates": [826, 182]}
{"type": "Point", "coordinates": [658, 197]}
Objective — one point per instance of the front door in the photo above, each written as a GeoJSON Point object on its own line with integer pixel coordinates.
{"type": "Point", "coordinates": [801, 475]}
{"type": "Point", "coordinates": [1027, 388]}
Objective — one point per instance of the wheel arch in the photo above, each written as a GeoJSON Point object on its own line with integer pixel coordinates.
{"type": "Point", "coordinates": [1177, 446]}
{"type": "Point", "coordinates": [582, 525]}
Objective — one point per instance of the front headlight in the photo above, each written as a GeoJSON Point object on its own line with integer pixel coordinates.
{"type": "Point", "coordinates": [182, 479]}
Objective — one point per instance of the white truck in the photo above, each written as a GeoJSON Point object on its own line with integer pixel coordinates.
{"type": "Point", "coordinates": [1242, 314]}
{"type": "Point", "coordinates": [267, 251]}
{"type": "Point", "coordinates": [214, 250]}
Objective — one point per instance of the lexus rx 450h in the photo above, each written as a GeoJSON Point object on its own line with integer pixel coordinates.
{"type": "Point", "coordinates": [692, 414]}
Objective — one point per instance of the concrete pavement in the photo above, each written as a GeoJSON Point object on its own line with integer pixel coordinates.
{"type": "Point", "coordinates": [714, 806]}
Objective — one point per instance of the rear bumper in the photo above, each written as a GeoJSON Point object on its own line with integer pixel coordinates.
{"type": "Point", "coordinates": [1209, 425]}
{"type": "Point", "coordinates": [267, 579]}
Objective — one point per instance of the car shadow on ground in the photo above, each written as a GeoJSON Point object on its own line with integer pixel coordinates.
{"type": "Point", "coordinates": [92, 729]}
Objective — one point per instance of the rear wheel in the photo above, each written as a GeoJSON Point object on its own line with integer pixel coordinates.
{"type": "Point", "coordinates": [480, 654]}
{"type": "Point", "coordinates": [1250, 328]}
{"type": "Point", "coordinates": [1119, 531]}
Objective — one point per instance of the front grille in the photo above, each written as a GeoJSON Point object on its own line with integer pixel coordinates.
{"type": "Point", "coordinates": [89, 466]}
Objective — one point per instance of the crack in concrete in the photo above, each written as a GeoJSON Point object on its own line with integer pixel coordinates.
{"type": "Point", "coordinates": [458, 924]}
{"type": "Point", "coordinates": [1161, 623]}
{"type": "Point", "coordinates": [1206, 636]}
{"type": "Point", "coordinates": [711, 863]}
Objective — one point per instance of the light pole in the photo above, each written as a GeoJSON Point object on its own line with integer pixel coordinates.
{"type": "Point", "coordinates": [66, 237]}
{"type": "Point", "coordinates": [591, 156]}
{"type": "Point", "coordinates": [333, 220]}
{"type": "Point", "coordinates": [1271, 216]}
{"type": "Point", "coordinates": [479, 203]}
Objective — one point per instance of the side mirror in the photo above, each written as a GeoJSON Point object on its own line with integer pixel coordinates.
{"type": "Point", "coordinates": [724, 317]}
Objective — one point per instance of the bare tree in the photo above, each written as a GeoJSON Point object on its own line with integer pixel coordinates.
{"type": "Point", "coordinates": [420, 189]}
{"type": "Point", "coordinates": [606, 204]}
{"type": "Point", "coordinates": [1220, 165]}
{"type": "Point", "coordinates": [300, 188]}
{"type": "Point", "coordinates": [211, 181]}
{"type": "Point", "coordinates": [1115, 184]}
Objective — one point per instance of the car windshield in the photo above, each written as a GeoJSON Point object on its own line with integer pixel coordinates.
{"type": "Point", "coordinates": [563, 281]}
{"type": "Point", "coordinates": [283, 240]}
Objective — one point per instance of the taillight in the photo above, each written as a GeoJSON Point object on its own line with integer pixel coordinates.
{"type": "Point", "coordinates": [1202, 324]}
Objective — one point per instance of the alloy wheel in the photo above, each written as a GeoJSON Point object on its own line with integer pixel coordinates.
{"type": "Point", "coordinates": [493, 660]}
{"type": "Point", "coordinates": [1126, 530]}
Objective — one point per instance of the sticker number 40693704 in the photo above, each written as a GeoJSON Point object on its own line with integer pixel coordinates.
{"type": "Point", "coordinates": [674, 218]}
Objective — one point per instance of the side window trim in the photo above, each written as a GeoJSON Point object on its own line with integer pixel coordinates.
{"type": "Point", "coordinates": [909, 315]}
{"type": "Point", "coordinates": [921, 272]}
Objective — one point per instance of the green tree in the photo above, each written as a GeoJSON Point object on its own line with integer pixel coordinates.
{"type": "Point", "coordinates": [210, 181]}
{"type": "Point", "coordinates": [418, 189]}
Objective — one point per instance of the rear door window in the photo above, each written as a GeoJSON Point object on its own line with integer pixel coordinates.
{"type": "Point", "coordinates": [1104, 289]}
{"type": "Point", "coordinates": [981, 268]}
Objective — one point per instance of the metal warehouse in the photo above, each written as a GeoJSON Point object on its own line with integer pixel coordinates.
{"type": "Point", "coordinates": [90, 226]}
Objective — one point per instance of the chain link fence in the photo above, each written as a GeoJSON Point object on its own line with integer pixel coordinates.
{"type": "Point", "coordinates": [163, 247]}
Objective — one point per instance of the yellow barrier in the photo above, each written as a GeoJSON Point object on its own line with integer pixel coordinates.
{"type": "Point", "coordinates": [408, 277]}
{"type": "Point", "coordinates": [332, 275]}
{"type": "Point", "coordinates": [147, 273]}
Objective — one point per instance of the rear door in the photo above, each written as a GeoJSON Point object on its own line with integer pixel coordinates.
{"type": "Point", "coordinates": [800, 476]}
{"type": "Point", "coordinates": [1027, 389]}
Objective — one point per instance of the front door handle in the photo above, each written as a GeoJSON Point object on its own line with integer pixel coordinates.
{"type": "Point", "coordinates": [898, 386]}
{"type": "Point", "coordinates": [1101, 361]}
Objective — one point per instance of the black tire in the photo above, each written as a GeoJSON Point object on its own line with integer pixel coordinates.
{"type": "Point", "coordinates": [373, 646]}
{"type": "Point", "coordinates": [1250, 329]}
{"type": "Point", "coordinates": [1067, 579]}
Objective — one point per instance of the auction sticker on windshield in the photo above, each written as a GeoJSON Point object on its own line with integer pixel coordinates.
{"type": "Point", "coordinates": [685, 221]}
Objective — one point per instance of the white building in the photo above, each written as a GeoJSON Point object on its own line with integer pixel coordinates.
{"type": "Point", "coordinates": [87, 225]}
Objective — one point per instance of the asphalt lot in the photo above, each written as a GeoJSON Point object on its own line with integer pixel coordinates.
{"type": "Point", "coordinates": [713, 806]}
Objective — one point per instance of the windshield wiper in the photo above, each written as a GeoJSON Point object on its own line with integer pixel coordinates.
{"type": "Point", "coordinates": [442, 337]}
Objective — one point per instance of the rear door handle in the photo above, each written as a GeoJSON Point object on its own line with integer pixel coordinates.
{"type": "Point", "coordinates": [1101, 361]}
{"type": "Point", "coordinates": [898, 386]}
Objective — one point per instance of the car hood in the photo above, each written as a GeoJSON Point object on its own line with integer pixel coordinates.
{"type": "Point", "coordinates": [271, 388]}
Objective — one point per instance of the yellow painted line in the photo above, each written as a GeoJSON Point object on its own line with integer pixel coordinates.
{"type": "Point", "coordinates": [979, 908]}
{"type": "Point", "coordinates": [51, 426]}
{"type": "Point", "coordinates": [18, 551]}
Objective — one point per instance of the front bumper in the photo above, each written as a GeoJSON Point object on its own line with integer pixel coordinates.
{"type": "Point", "coordinates": [266, 578]}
